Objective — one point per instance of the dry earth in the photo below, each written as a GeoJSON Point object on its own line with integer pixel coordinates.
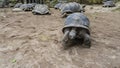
{"type": "Point", "coordinates": [31, 41]}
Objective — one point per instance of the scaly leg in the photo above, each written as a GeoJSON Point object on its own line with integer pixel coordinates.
{"type": "Point", "coordinates": [65, 37]}
{"type": "Point", "coordinates": [86, 38]}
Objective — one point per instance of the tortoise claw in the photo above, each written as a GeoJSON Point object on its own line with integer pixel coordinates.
{"type": "Point", "coordinates": [87, 43]}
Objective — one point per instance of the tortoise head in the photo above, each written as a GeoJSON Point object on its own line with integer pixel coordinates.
{"type": "Point", "coordinates": [83, 8]}
{"type": "Point", "coordinates": [72, 33]}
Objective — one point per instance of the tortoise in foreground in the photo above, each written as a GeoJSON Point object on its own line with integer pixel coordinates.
{"type": "Point", "coordinates": [76, 30]}
{"type": "Point", "coordinates": [41, 9]}
{"type": "Point", "coordinates": [71, 7]}
{"type": "Point", "coordinates": [109, 4]}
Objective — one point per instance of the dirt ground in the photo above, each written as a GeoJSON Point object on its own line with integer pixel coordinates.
{"type": "Point", "coordinates": [33, 41]}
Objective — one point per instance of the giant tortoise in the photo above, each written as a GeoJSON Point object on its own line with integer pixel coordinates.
{"type": "Point", "coordinates": [108, 3]}
{"type": "Point", "coordinates": [76, 30]}
{"type": "Point", "coordinates": [27, 7]}
{"type": "Point", "coordinates": [57, 6]}
{"type": "Point", "coordinates": [71, 7]}
{"type": "Point", "coordinates": [17, 5]}
{"type": "Point", "coordinates": [41, 9]}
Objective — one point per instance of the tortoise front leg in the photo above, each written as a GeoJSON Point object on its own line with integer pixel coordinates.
{"type": "Point", "coordinates": [64, 15]}
{"type": "Point", "coordinates": [86, 38]}
{"type": "Point", "coordinates": [87, 41]}
{"type": "Point", "coordinates": [65, 37]}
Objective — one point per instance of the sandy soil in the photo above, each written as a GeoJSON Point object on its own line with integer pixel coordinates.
{"type": "Point", "coordinates": [31, 41]}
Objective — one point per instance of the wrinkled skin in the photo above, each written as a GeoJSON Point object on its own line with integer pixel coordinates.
{"type": "Point", "coordinates": [73, 33]}
{"type": "Point", "coordinates": [74, 37]}
{"type": "Point", "coordinates": [86, 38]}
{"type": "Point", "coordinates": [76, 30]}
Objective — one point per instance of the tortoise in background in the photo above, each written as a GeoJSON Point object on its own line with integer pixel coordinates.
{"type": "Point", "coordinates": [108, 3]}
{"type": "Point", "coordinates": [41, 9]}
{"type": "Point", "coordinates": [71, 7]}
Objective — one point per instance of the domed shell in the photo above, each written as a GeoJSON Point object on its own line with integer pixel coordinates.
{"type": "Point", "coordinates": [18, 5]}
{"type": "Point", "coordinates": [78, 20]}
{"type": "Point", "coordinates": [57, 5]}
{"type": "Point", "coordinates": [27, 7]}
{"type": "Point", "coordinates": [109, 4]}
{"type": "Point", "coordinates": [72, 7]}
{"type": "Point", "coordinates": [41, 9]}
